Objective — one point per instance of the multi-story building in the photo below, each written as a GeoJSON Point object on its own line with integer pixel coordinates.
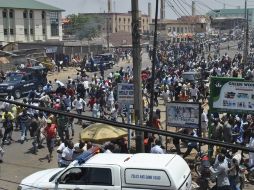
{"type": "Point", "coordinates": [181, 29]}
{"type": "Point", "coordinates": [233, 13]}
{"type": "Point", "coordinates": [119, 22]}
{"type": "Point", "coordinates": [29, 21]}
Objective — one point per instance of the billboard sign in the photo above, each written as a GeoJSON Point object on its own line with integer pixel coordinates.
{"type": "Point", "coordinates": [232, 95]}
{"type": "Point", "coordinates": [125, 93]}
{"type": "Point", "coordinates": [183, 114]}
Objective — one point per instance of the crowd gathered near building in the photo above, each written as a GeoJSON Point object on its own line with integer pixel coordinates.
{"type": "Point", "coordinates": [97, 94]}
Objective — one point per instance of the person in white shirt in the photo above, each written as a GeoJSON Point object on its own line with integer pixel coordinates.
{"type": "Point", "coordinates": [194, 93]}
{"type": "Point", "coordinates": [60, 151]}
{"type": "Point", "coordinates": [204, 123]}
{"type": "Point", "coordinates": [110, 99]}
{"type": "Point", "coordinates": [67, 154]}
{"type": "Point", "coordinates": [59, 83]}
{"type": "Point", "coordinates": [156, 149]}
{"type": "Point", "coordinates": [86, 86]}
{"type": "Point", "coordinates": [79, 104]}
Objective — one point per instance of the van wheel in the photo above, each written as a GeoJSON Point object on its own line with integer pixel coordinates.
{"type": "Point", "coordinates": [17, 94]}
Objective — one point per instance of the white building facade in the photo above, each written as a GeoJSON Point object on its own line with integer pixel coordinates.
{"type": "Point", "coordinates": [29, 23]}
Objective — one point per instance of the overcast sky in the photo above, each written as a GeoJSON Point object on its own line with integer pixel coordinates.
{"type": "Point", "coordinates": [86, 6]}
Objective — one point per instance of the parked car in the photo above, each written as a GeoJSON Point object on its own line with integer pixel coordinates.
{"type": "Point", "coordinates": [22, 82]}
{"type": "Point", "coordinates": [107, 59]}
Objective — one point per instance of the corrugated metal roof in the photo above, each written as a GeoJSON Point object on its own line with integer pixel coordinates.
{"type": "Point", "coordinates": [27, 4]}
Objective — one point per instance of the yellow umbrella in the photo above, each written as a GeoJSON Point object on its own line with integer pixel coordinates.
{"type": "Point", "coordinates": [100, 132]}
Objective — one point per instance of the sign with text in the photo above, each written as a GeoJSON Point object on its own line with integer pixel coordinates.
{"type": "Point", "coordinates": [182, 114]}
{"type": "Point", "coordinates": [125, 93]}
{"type": "Point", "coordinates": [146, 177]}
{"type": "Point", "coordinates": [232, 95]}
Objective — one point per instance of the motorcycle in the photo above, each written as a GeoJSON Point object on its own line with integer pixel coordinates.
{"type": "Point", "coordinates": [246, 171]}
{"type": "Point", "coordinates": [202, 165]}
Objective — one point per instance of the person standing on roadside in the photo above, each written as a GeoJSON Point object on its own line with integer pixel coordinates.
{"type": "Point", "coordinates": [67, 154]}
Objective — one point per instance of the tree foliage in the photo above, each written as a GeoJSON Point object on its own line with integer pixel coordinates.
{"type": "Point", "coordinates": [84, 26]}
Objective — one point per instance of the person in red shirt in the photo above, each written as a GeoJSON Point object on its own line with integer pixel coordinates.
{"type": "Point", "coordinates": [50, 132]}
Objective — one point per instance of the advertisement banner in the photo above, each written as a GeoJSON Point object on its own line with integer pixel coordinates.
{"type": "Point", "coordinates": [183, 114]}
{"type": "Point", "coordinates": [125, 93]}
{"type": "Point", "coordinates": [232, 95]}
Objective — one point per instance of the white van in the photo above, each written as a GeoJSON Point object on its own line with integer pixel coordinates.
{"type": "Point", "coordinates": [116, 172]}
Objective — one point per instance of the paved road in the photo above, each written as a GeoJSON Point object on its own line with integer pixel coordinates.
{"type": "Point", "coordinates": [19, 162]}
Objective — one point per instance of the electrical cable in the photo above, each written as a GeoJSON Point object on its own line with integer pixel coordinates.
{"type": "Point", "coordinates": [135, 127]}
{"type": "Point", "coordinates": [180, 2]}
{"type": "Point", "coordinates": [173, 8]}
{"type": "Point", "coordinates": [184, 13]}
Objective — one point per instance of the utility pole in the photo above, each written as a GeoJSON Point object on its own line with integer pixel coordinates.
{"type": "Point", "coordinates": [137, 65]}
{"type": "Point", "coordinates": [107, 23]}
{"type": "Point", "coordinates": [246, 34]}
{"type": "Point", "coordinates": [107, 31]}
{"type": "Point", "coordinates": [153, 63]}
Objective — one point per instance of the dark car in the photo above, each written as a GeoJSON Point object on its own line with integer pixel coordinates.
{"type": "Point", "coordinates": [97, 61]}
{"type": "Point", "coordinates": [108, 60]}
{"type": "Point", "coordinates": [21, 82]}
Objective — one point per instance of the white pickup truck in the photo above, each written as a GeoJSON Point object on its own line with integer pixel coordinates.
{"type": "Point", "coordinates": [116, 172]}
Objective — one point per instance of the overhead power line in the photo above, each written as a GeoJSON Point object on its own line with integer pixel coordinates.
{"type": "Point", "coordinates": [180, 8]}
{"type": "Point", "coordinates": [180, 2]}
{"type": "Point", "coordinates": [173, 8]}
{"type": "Point", "coordinates": [135, 127]}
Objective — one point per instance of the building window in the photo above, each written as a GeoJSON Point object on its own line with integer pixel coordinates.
{"type": "Point", "coordinates": [119, 19]}
{"type": "Point", "coordinates": [11, 13]}
{"type": "Point", "coordinates": [124, 20]}
{"type": "Point", "coordinates": [129, 20]}
{"type": "Point", "coordinates": [31, 14]}
{"type": "Point", "coordinates": [43, 14]}
{"type": "Point", "coordinates": [25, 14]}
{"type": "Point", "coordinates": [4, 13]}
{"type": "Point", "coordinates": [5, 31]}
{"type": "Point", "coordinates": [31, 31]}
{"type": "Point", "coordinates": [174, 29]}
{"type": "Point", "coordinates": [25, 31]}
{"type": "Point", "coordinates": [54, 23]}
{"type": "Point", "coordinates": [43, 31]}
{"type": "Point", "coordinates": [11, 31]}
{"type": "Point", "coordinates": [202, 25]}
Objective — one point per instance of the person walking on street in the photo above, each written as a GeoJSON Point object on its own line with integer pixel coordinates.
{"type": "Point", "coordinates": [24, 120]}
{"type": "Point", "coordinates": [79, 104]}
{"type": "Point", "coordinates": [7, 119]}
{"type": "Point", "coordinates": [220, 171]}
{"type": "Point", "coordinates": [50, 133]}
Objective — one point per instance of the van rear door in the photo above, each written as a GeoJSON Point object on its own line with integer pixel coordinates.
{"type": "Point", "coordinates": [180, 173]}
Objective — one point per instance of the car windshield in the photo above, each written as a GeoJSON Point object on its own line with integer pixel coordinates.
{"type": "Point", "coordinates": [13, 77]}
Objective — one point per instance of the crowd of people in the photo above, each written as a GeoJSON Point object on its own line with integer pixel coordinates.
{"type": "Point", "coordinates": [97, 94]}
